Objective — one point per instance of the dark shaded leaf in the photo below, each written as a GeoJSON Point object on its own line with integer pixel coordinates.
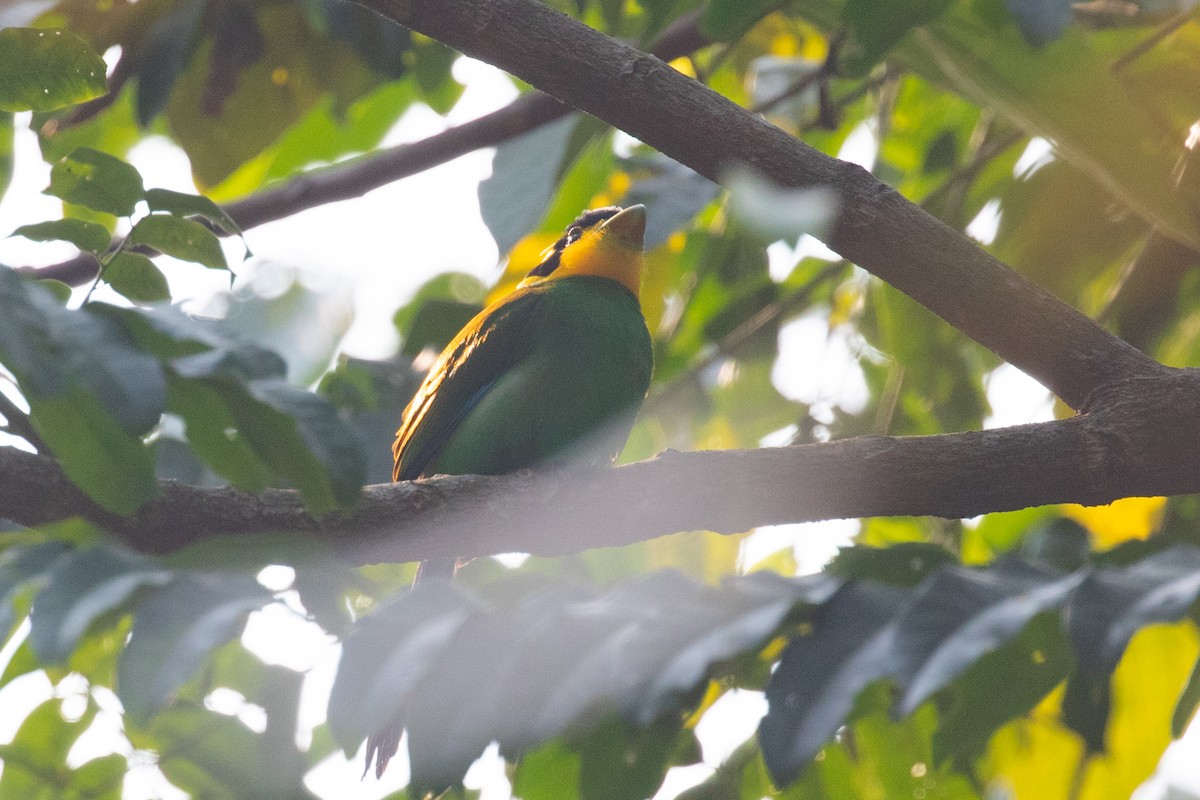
{"type": "Point", "coordinates": [819, 676]}
{"type": "Point", "coordinates": [959, 615]}
{"type": "Point", "coordinates": [181, 238]}
{"type": "Point", "coordinates": [89, 236]}
{"type": "Point", "coordinates": [1108, 608]}
{"type": "Point", "coordinates": [90, 178]}
{"type": "Point", "coordinates": [83, 587]}
{"type": "Point", "coordinates": [136, 277]}
{"type": "Point", "coordinates": [175, 629]}
{"type": "Point", "coordinates": [46, 68]}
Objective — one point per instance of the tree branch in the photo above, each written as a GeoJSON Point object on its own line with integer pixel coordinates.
{"type": "Point", "coordinates": [355, 177]}
{"type": "Point", "coordinates": [1144, 441]}
{"type": "Point", "coordinates": [877, 228]}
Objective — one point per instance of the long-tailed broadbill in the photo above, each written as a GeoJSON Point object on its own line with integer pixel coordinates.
{"type": "Point", "coordinates": [552, 373]}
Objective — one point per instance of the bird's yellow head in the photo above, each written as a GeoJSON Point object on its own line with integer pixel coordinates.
{"type": "Point", "coordinates": [604, 241]}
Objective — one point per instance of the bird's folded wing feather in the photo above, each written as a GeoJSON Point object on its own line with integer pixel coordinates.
{"type": "Point", "coordinates": [468, 368]}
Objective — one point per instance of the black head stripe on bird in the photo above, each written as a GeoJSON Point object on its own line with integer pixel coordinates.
{"type": "Point", "coordinates": [596, 218]}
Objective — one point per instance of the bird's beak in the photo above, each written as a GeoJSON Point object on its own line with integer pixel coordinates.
{"type": "Point", "coordinates": [628, 227]}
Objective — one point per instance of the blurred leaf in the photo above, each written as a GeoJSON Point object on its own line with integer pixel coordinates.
{"type": "Point", "coordinates": [558, 652]}
{"type": "Point", "coordinates": [96, 180]}
{"type": "Point", "coordinates": [35, 760]}
{"type": "Point", "coordinates": [18, 567]}
{"type": "Point", "coordinates": [44, 69]}
{"type": "Point", "coordinates": [6, 150]}
{"type": "Point", "coordinates": [623, 762]}
{"type": "Point", "coordinates": [212, 755]}
{"type": "Point", "coordinates": [724, 20]}
{"type": "Point", "coordinates": [136, 277]}
{"type": "Point", "coordinates": [673, 195]}
{"type": "Point", "coordinates": [182, 204]}
{"type": "Point", "coordinates": [445, 302]}
{"type": "Point", "coordinates": [175, 629]}
{"type": "Point", "coordinates": [877, 25]}
{"type": "Point", "coordinates": [162, 57]}
{"type": "Point", "coordinates": [57, 289]}
{"type": "Point", "coordinates": [549, 773]}
{"type": "Point", "coordinates": [83, 587]}
{"type": "Point", "coordinates": [901, 564]}
{"type": "Point", "coordinates": [998, 71]}
{"type": "Point", "coordinates": [525, 173]}
{"type": "Point", "coordinates": [181, 238]}
{"type": "Point", "coordinates": [85, 235]}
{"type": "Point", "coordinates": [1040, 21]}
{"type": "Point", "coordinates": [1189, 700]}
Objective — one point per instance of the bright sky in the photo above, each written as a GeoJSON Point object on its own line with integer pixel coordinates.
{"type": "Point", "coordinates": [376, 251]}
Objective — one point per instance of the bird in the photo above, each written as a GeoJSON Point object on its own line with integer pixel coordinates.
{"type": "Point", "coordinates": [550, 375]}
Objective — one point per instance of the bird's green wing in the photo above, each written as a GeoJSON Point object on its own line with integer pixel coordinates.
{"type": "Point", "coordinates": [482, 352]}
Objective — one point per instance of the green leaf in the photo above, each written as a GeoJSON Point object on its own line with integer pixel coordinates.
{"type": "Point", "coordinates": [45, 69]}
{"type": "Point", "coordinates": [182, 204]}
{"type": "Point", "coordinates": [57, 289]}
{"type": "Point", "coordinates": [96, 180]}
{"type": "Point", "coordinates": [549, 773]}
{"type": "Point", "coordinates": [212, 433]}
{"type": "Point", "coordinates": [89, 236]}
{"type": "Point", "coordinates": [621, 762]}
{"type": "Point", "coordinates": [99, 779]}
{"type": "Point", "coordinates": [114, 468]}
{"type": "Point", "coordinates": [181, 238]}
{"type": "Point", "coordinates": [174, 631]}
{"type": "Point", "coordinates": [83, 587]}
{"type": "Point", "coordinates": [34, 762]}
{"type": "Point", "coordinates": [137, 277]}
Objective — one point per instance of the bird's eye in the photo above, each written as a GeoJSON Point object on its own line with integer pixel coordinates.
{"type": "Point", "coordinates": [573, 233]}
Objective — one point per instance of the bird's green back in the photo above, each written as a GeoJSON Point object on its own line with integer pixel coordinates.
{"type": "Point", "coordinates": [554, 372]}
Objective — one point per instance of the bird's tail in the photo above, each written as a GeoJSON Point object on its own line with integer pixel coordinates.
{"type": "Point", "coordinates": [382, 745]}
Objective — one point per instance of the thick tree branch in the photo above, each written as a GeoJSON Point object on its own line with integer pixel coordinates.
{"type": "Point", "coordinates": [355, 177]}
{"type": "Point", "coordinates": [1144, 441]}
{"type": "Point", "coordinates": [877, 229]}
